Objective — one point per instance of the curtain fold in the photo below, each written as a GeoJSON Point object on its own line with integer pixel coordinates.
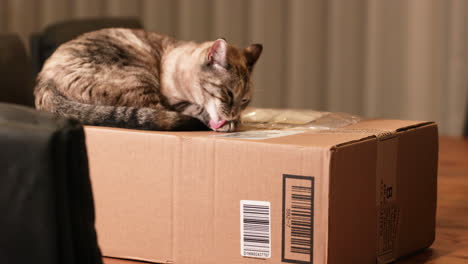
{"type": "Point", "coordinates": [376, 58]}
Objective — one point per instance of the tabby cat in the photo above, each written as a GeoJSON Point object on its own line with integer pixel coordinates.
{"type": "Point", "coordinates": [132, 78]}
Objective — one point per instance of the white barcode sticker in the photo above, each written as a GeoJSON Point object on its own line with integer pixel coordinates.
{"type": "Point", "coordinates": [255, 229]}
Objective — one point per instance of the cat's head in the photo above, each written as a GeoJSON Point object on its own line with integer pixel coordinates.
{"type": "Point", "coordinates": [225, 80]}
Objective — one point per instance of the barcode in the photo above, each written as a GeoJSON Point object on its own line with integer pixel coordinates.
{"type": "Point", "coordinates": [301, 219]}
{"type": "Point", "coordinates": [298, 219]}
{"type": "Point", "coordinates": [255, 229]}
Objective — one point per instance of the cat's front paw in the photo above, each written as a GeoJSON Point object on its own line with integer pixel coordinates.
{"type": "Point", "coordinates": [228, 126]}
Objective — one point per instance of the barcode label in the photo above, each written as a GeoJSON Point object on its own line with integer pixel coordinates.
{"type": "Point", "coordinates": [298, 197]}
{"type": "Point", "coordinates": [255, 229]}
{"type": "Point", "coordinates": [301, 216]}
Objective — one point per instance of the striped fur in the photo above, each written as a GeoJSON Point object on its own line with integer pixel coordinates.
{"type": "Point", "coordinates": [142, 80]}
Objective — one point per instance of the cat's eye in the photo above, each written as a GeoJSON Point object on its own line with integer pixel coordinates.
{"type": "Point", "coordinates": [245, 100]}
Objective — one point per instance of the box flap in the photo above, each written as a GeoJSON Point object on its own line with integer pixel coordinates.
{"type": "Point", "coordinates": [321, 139]}
{"type": "Point", "coordinates": [380, 128]}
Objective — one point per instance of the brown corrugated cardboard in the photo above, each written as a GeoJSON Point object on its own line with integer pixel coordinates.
{"type": "Point", "coordinates": [357, 194]}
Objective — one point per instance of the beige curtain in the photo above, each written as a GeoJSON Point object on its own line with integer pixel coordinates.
{"type": "Point", "coordinates": [376, 58]}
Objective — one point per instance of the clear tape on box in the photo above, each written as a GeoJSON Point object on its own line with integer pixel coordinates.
{"type": "Point", "coordinates": [279, 119]}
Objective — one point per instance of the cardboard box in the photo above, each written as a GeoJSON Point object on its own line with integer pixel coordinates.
{"type": "Point", "coordinates": [351, 195]}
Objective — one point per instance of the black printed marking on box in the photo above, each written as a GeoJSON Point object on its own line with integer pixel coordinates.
{"type": "Point", "coordinates": [298, 219]}
{"type": "Point", "coordinates": [388, 217]}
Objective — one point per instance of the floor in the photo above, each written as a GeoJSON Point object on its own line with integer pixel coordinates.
{"type": "Point", "coordinates": [451, 245]}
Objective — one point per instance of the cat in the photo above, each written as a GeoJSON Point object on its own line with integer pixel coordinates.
{"type": "Point", "coordinates": [132, 78]}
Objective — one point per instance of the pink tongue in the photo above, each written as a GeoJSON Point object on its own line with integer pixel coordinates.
{"type": "Point", "coordinates": [216, 125]}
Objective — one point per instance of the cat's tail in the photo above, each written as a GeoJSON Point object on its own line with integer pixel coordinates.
{"type": "Point", "coordinates": [159, 118]}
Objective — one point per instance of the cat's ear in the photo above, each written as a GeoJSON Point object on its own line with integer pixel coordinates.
{"type": "Point", "coordinates": [217, 54]}
{"type": "Point", "coordinates": [252, 53]}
